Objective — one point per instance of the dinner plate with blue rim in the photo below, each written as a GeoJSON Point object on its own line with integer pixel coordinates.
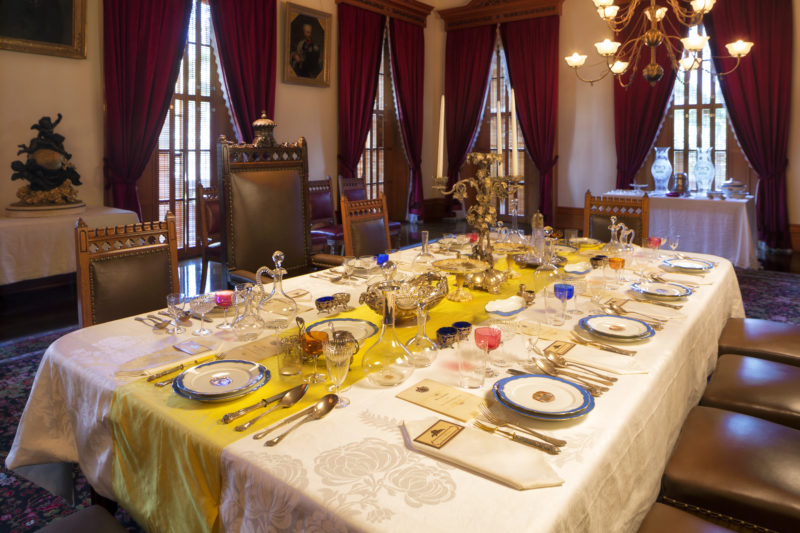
{"type": "Point", "coordinates": [685, 264]}
{"type": "Point", "coordinates": [562, 248]}
{"type": "Point", "coordinates": [361, 329]}
{"type": "Point", "coordinates": [658, 290]}
{"type": "Point", "coordinates": [615, 327]}
{"type": "Point", "coordinates": [543, 397]}
{"type": "Point", "coordinates": [220, 380]}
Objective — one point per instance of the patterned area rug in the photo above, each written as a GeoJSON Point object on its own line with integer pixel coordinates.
{"type": "Point", "coordinates": [24, 507]}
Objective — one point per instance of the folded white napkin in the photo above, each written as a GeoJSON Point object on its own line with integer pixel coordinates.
{"type": "Point", "coordinates": [493, 456]}
{"type": "Point", "coordinates": [156, 362]}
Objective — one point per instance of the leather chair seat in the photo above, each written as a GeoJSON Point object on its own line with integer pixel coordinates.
{"type": "Point", "coordinates": [761, 338]}
{"type": "Point", "coordinates": [756, 387]}
{"type": "Point", "coordinates": [395, 227]}
{"type": "Point", "coordinates": [327, 260]}
{"type": "Point", "coordinates": [93, 518]}
{"type": "Point", "coordinates": [332, 231]}
{"type": "Point", "coordinates": [667, 519]}
{"type": "Point", "coordinates": [736, 467]}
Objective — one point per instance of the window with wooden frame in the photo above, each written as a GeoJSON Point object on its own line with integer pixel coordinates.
{"type": "Point", "coordinates": [186, 149]}
{"type": "Point", "coordinates": [697, 117]}
{"type": "Point", "coordinates": [371, 166]}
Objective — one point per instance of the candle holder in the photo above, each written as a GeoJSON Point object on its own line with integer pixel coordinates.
{"type": "Point", "coordinates": [483, 214]}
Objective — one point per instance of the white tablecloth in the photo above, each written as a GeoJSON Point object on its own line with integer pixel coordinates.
{"type": "Point", "coordinates": [726, 228]}
{"type": "Point", "coordinates": [32, 248]}
{"type": "Point", "coordinates": [352, 471]}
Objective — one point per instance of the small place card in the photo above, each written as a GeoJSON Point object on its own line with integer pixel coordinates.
{"type": "Point", "coordinates": [443, 399]}
{"type": "Point", "coordinates": [618, 301]}
{"type": "Point", "coordinates": [560, 347]}
{"type": "Point", "coordinates": [192, 347]}
{"type": "Point", "coordinates": [439, 434]}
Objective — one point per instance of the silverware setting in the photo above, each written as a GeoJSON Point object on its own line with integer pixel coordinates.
{"type": "Point", "coordinates": [600, 345]}
{"type": "Point", "coordinates": [324, 406]}
{"type": "Point", "coordinates": [289, 420]}
{"type": "Point", "coordinates": [561, 362]}
{"type": "Point", "coordinates": [655, 323]}
{"type": "Point", "coordinates": [516, 437]}
{"type": "Point", "coordinates": [499, 420]}
{"type": "Point", "coordinates": [655, 302]}
{"type": "Point", "coordinates": [287, 400]}
{"type": "Point", "coordinates": [184, 319]}
{"type": "Point", "coordinates": [155, 324]}
{"type": "Point", "coordinates": [230, 417]}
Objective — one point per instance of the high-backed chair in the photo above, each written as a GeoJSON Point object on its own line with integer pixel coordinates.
{"type": "Point", "coordinates": [356, 189]}
{"type": "Point", "coordinates": [125, 270]}
{"type": "Point", "coordinates": [209, 225]}
{"type": "Point", "coordinates": [633, 211]}
{"type": "Point", "coordinates": [323, 215]}
{"type": "Point", "coordinates": [265, 206]}
{"type": "Point", "coordinates": [366, 227]}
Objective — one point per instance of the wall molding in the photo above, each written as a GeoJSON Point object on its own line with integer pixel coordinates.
{"type": "Point", "coordinates": [483, 12]}
{"type": "Point", "coordinates": [405, 10]}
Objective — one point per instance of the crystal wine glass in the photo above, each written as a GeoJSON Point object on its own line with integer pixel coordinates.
{"type": "Point", "coordinates": [564, 292]}
{"type": "Point", "coordinates": [487, 338]}
{"type": "Point", "coordinates": [337, 359]}
{"type": "Point", "coordinates": [201, 305]}
{"type": "Point", "coordinates": [176, 303]}
{"type": "Point", "coordinates": [617, 264]}
{"type": "Point", "coordinates": [312, 345]}
{"type": "Point", "coordinates": [673, 242]}
{"type": "Point", "coordinates": [348, 267]}
{"type": "Point", "coordinates": [224, 299]}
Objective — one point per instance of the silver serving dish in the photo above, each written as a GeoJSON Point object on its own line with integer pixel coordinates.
{"type": "Point", "coordinates": [429, 288]}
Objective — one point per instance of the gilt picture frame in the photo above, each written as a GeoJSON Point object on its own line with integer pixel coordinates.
{"type": "Point", "coordinates": [53, 27]}
{"type": "Point", "coordinates": [307, 46]}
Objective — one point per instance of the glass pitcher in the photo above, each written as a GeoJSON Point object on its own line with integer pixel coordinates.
{"type": "Point", "coordinates": [387, 362]}
{"type": "Point", "coordinates": [278, 309]}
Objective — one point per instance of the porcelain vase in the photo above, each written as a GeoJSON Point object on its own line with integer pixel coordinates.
{"type": "Point", "coordinates": [661, 169]}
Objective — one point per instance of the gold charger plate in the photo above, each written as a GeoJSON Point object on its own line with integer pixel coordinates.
{"type": "Point", "coordinates": [461, 265]}
{"type": "Point", "coordinates": [509, 248]}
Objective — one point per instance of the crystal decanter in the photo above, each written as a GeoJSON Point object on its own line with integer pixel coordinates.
{"type": "Point", "coordinates": [387, 362]}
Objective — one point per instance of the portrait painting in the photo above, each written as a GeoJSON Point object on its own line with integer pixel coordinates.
{"type": "Point", "coordinates": [307, 46]}
{"type": "Point", "coordinates": [51, 27]}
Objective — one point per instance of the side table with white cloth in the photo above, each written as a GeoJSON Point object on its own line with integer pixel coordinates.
{"type": "Point", "coordinates": [726, 228]}
{"type": "Point", "coordinates": [32, 248]}
{"type": "Point", "coordinates": [353, 470]}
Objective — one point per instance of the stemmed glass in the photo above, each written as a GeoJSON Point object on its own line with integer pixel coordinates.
{"type": "Point", "coordinates": [487, 338]}
{"type": "Point", "coordinates": [201, 305]}
{"type": "Point", "coordinates": [224, 299]}
{"type": "Point", "coordinates": [617, 264]}
{"type": "Point", "coordinates": [176, 303]}
{"type": "Point", "coordinates": [673, 242]}
{"type": "Point", "coordinates": [312, 342]}
{"type": "Point", "coordinates": [348, 267]}
{"type": "Point", "coordinates": [337, 359]}
{"type": "Point", "coordinates": [564, 292]}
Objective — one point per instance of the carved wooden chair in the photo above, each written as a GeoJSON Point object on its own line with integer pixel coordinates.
{"type": "Point", "coordinates": [209, 225]}
{"type": "Point", "coordinates": [366, 226]}
{"type": "Point", "coordinates": [356, 189]}
{"type": "Point", "coordinates": [265, 206]}
{"type": "Point", "coordinates": [633, 211]}
{"type": "Point", "coordinates": [125, 270]}
{"type": "Point", "coordinates": [323, 216]}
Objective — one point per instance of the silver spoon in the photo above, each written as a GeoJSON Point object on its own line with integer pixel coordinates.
{"type": "Point", "coordinates": [547, 367]}
{"type": "Point", "coordinates": [156, 324]}
{"type": "Point", "coordinates": [550, 366]}
{"type": "Point", "coordinates": [560, 361]}
{"type": "Point", "coordinates": [289, 399]}
{"type": "Point", "coordinates": [622, 311]}
{"type": "Point", "coordinates": [321, 408]}
{"type": "Point", "coordinates": [301, 325]}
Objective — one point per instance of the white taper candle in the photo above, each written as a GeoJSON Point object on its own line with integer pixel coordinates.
{"type": "Point", "coordinates": [514, 145]}
{"type": "Point", "coordinates": [440, 155]}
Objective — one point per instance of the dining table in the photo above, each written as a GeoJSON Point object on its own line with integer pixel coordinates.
{"type": "Point", "coordinates": [175, 466]}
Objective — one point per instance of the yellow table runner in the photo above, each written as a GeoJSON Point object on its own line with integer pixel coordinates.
{"type": "Point", "coordinates": [167, 449]}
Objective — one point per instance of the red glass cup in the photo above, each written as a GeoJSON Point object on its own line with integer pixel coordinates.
{"type": "Point", "coordinates": [487, 338]}
{"type": "Point", "coordinates": [224, 299]}
{"type": "Point", "coordinates": [473, 237]}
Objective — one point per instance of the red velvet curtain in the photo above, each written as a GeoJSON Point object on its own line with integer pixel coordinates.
{"type": "Point", "coordinates": [143, 43]}
{"type": "Point", "coordinates": [247, 47]}
{"type": "Point", "coordinates": [468, 57]}
{"type": "Point", "coordinates": [640, 109]}
{"type": "Point", "coordinates": [758, 98]}
{"type": "Point", "coordinates": [407, 45]}
{"type": "Point", "coordinates": [531, 48]}
{"type": "Point", "coordinates": [360, 40]}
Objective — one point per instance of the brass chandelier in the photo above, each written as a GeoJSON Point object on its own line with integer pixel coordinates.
{"type": "Point", "coordinates": [623, 58]}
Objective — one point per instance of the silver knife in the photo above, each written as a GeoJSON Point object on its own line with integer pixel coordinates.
{"type": "Point", "coordinates": [230, 417]}
{"type": "Point", "coordinates": [601, 346]}
{"type": "Point", "coordinates": [299, 414]}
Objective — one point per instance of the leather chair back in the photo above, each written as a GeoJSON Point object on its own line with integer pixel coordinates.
{"type": "Point", "coordinates": [264, 193]}
{"type": "Point", "coordinates": [633, 211]}
{"type": "Point", "coordinates": [366, 226]}
{"type": "Point", "coordinates": [352, 188]}
{"type": "Point", "coordinates": [125, 270]}
{"type": "Point", "coordinates": [209, 213]}
{"type": "Point", "coordinates": [320, 200]}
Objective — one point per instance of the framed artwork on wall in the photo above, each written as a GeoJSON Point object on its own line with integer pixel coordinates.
{"type": "Point", "coordinates": [307, 53]}
{"type": "Point", "coordinates": [51, 27]}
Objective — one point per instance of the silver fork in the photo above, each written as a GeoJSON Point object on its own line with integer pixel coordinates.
{"type": "Point", "coordinates": [497, 420]}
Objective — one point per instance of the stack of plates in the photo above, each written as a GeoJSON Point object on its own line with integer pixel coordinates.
{"type": "Point", "coordinates": [685, 264]}
{"type": "Point", "coordinates": [661, 291]}
{"type": "Point", "coordinates": [220, 381]}
{"type": "Point", "coordinates": [543, 397]}
{"type": "Point", "coordinates": [616, 328]}
{"type": "Point", "coordinates": [561, 248]}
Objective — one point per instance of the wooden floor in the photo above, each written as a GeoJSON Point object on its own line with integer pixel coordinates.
{"type": "Point", "coordinates": [26, 309]}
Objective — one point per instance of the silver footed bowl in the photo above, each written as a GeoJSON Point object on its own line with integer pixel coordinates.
{"type": "Point", "coordinates": [430, 288]}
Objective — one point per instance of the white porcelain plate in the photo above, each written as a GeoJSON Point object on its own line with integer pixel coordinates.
{"type": "Point", "coordinates": [564, 249]}
{"type": "Point", "coordinates": [656, 289]}
{"type": "Point", "coordinates": [542, 394]}
{"type": "Point", "coordinates": [361, 329]}
{"type": "Point", "coordinates": [583, 241]}
{"type": "Point", "coordinates": [578, 269]}
{"type": "Point", "coordinates": [616, 327]}
{"type": "Point", "coordinates": [221, 378]}
{"type": "Point", "coordinates": [688, 265]}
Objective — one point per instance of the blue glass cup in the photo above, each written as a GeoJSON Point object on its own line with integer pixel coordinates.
{"type": "Point", "coordinates": [563, 291]}
{"type": "Point", "coordinates": [464, 329]}
{"type": "Point", "coordinates": [382, 258]}
{"type": "Point", "coordinates": [446, 336]}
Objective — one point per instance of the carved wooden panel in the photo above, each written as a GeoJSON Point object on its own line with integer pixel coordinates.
{"type": "Point", "coordinates": [482, 12]}
{"type": "Point", "coordinates": [406, 10]}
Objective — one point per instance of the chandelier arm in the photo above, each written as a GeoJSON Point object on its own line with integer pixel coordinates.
{"type": "Point", "coordinates": [672, 52]}
{"type": "Point", "coordinates": [589, 81]}
{"type": "Point", "coordinates": [718, 74]}
{"type": "Point", "coordinates": [623, 17]}
{"type": "Point", "coordinates": [690, 17]}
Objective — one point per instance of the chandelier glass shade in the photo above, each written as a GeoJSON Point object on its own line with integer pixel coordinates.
{"type": "Point", "coordinates": [651, 26]}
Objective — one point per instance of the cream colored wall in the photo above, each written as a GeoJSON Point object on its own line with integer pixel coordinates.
{"type": "Point", "coordinates": [33, 86]}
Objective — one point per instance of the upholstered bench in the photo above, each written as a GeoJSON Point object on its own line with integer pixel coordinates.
{"type": "Point", "coordinates": [667, 519]}
{"type": "Point", "coordinates": [738, 468]}
{"type": "Point", "coordinates": [761, 338]}
{"type": "Point", "coordinates": [756, 387]}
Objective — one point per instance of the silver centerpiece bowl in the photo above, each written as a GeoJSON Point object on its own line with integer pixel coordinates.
{"type": "Point", "coordinates": [429, 287]}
